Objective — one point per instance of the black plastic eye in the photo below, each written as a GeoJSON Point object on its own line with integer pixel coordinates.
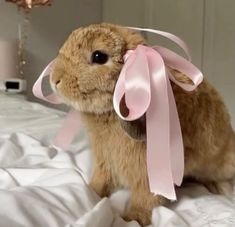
{"type": "Point", "coordinates": [99, 57]}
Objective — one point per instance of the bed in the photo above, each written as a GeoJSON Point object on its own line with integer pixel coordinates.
{"type": "Point", "coordinates": [42, 186]}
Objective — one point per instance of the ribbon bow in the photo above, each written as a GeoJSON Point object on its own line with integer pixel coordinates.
{"type": "Point", "coordinates": [145, 82]}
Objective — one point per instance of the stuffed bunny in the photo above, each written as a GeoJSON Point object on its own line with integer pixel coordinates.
{"type": "Point", "coordinates": [84, 76]}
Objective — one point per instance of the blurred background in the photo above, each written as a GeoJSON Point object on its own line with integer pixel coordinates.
{"type": "Point", "coordinates": [208, 27]}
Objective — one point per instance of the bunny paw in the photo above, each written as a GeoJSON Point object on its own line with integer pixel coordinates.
{"type": "Point", "coordinates": [221, 187]}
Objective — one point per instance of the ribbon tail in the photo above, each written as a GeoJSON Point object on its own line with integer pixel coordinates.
{"type": "Point", "coordinates": [159, 163]}
{"type": "Point", "coordinates": [69, 129]}
{"type": "Point", "coordinates": [158, 132]}
{"type": "Point", "coordinates": [176, 141]}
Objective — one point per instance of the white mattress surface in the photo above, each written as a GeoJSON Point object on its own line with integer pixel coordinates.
{"type": "Point", "coordinates": [44, 187]}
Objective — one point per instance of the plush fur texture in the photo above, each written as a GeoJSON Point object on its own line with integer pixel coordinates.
{"type": "Point", "coordinates": [120, 160]}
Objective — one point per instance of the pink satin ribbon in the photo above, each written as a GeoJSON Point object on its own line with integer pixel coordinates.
{"type": "Point", "coordinates": [37, 87]}
{"type": "Point", "coordinates": [145, 82]}
{"type": "Point", "coordinates": [72, 122]}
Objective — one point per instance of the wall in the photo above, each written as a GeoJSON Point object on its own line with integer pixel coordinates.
{"type": "Point", "coordinates": [219, 48]}
{"type": "Point", "coordinates": [208, 27]}
{"type": "Point", "coordinates": [49, 27]}
{"type": "Point", "coordinates": [125, 12]}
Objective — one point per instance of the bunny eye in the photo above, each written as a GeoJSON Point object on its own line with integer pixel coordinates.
{"type": "Point", "coordinates": [99, 57]}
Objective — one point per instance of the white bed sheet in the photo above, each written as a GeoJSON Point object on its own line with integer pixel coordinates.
{"type": "Point", "coordinates": [41, 186]}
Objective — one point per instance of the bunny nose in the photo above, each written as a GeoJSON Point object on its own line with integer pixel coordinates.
{"type": "Point", "coordinates": [56, 78]}
{"type": "Point", "coordinates": [57, 82]}
{"type": "Point", "coordinates": [57, 73]}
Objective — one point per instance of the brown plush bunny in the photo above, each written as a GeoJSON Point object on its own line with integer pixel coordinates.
{"type": "Point", "coordinates": [85, 73]}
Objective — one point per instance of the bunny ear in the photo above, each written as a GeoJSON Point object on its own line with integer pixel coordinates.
{"type": "Point", "coordinates": [132, 38]}
{"type": "Point", "coordinates": [179, 76]}
{"type": "Point", "coordinates": [135, 129]}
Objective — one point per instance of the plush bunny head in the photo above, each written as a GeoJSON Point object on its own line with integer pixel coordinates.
{"type": "Point", "coordinates": [89, 63]}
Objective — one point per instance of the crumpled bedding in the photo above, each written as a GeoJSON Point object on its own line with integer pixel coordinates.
{"type": "Point", "coordinates": [42, 186]}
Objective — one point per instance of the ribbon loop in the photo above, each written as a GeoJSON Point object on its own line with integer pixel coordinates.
{"type": "Point", "coordinates": [134, 84]}
{"type": "Point", "coordinates": [170, 36]}
{"type": "Point", "coordinates": [137, 85]}
{"type": "Point", "coordinates": [37, 87]}
{"type": "Point", "coordinates": [184, 66]}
